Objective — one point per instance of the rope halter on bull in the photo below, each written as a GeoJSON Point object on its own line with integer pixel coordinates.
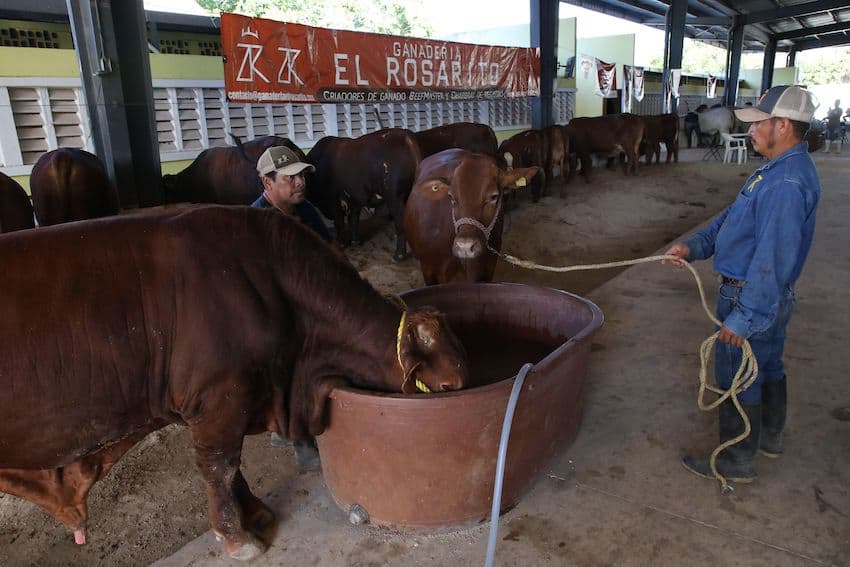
{"type": "Point", "coordinates": [487, 230]}
{"type": "Point", "coordinates": [420, 385]}
{"type": "Point", "coordinates": [744, 377]}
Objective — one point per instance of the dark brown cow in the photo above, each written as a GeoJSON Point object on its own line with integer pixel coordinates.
{"type": "Point", "coordinates": [374, 170]}
{"type": "Point", "coordinates": [657, 129]}
{"type": "Point", "coordinates": [609, 135]}
{"type": "Point", "coordinates": [455, 213]}
{"type": "Point", "coordinates": [15, 208]}
{"type": "Point", "coordinates": [526, 149]}
{"type": "Point", "coordinates": [70, 184]}
{"type": "Point", "coordinates": [135, 337]}
{"type": "Point", "coordinates": [477, 138]}
{"type": "Point", "coordinates": [227, 176]}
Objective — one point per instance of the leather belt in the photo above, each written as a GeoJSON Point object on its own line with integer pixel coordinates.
{"type": "Point", "coordinates": [732, 281]}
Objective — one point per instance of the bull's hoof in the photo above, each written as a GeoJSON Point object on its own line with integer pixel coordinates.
{"type": "Point", "coordinates": [261, 518]}
{"type": "Point", "coordinates": [249, 550]}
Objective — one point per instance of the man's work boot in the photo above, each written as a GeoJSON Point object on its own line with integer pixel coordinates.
{"type": "Point", "coordinates": [307, 455]}
{"type": "Point", "coordinates": [735, 463]}
{"type": "Point", "coordinates": [774, 400]}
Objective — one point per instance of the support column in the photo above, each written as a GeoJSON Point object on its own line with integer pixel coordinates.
{"type": "Point", "coordinates": [730, 93]}
{"type": "Point", "coordinates": [767, 66]}
{"type": "Point", "coordinates": [544, 34]}
{"type": "Point", "coordinates": [111, 46]}
{"type": "Point", "coordinates": [791, 60]}
{"type": "Point", "coordinates": [674, 38]}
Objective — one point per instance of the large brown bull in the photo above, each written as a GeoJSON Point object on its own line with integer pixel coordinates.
{"type": "Point", "coordinates": [477, 138]}
{"type": "Point", "coordinates": [375, 170]}
{"type": "Point", "coordinates": [608, 135]}
{"type": "Point", "coordinates": [70, 184]}
{"type": "Point", "coordinates": [15, 208]}
{"type": "Point", "coordinates": [141, 321]}
{"type": "Point", "coordinates": [227, 176]}
{"type": "Point", "coordinates": [453, 218]}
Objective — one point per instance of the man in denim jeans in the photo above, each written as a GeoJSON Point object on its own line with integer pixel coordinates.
{"type": "Point", "coordinates": [760, 244]}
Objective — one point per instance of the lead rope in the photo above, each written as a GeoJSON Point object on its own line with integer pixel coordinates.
{"type": "Point", "coordinates": [744, 377]}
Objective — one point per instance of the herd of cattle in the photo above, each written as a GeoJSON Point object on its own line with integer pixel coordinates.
{"type": "Point", "coordinates": [117, 326]}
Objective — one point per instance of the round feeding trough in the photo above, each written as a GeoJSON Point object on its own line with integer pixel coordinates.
{"type": "Point", "coordinates": [428, 462]}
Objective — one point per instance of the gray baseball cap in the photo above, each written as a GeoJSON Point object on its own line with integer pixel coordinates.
{"type": "Point", "coordinates": [787, 101]}
{"type": "Point", "coordinates": [282, 159]}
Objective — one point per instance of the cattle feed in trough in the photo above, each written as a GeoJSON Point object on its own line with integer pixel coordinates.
{"type": "Point", "coordinates": [230, 320]}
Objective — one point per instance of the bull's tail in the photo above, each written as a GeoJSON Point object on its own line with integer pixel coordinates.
{"type": "Point", "coordinates": [241, 147]}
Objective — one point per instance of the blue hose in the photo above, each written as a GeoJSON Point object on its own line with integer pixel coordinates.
{"type": "Point", "coordinates": [500, 462]}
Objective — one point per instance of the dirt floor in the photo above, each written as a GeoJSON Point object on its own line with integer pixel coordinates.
{"type": "Point", "coordinates": [153, 501]}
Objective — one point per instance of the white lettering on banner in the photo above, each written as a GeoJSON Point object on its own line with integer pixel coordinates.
{"type": "Point", "coordinates": [339, 68]}
{"type": "Point", "coordinates": [456, 72]}
{"type": "Point", "coordinates": [252, 53]}
{"type": "Point", "coordinates": [288, 66]}
{"type": "Point", "coordinates": [392, 70]}
{"type": "Point", "coordinates": [418, 51]}
{"type": "Point", "coordinates": [360, 80]}
{"type": "Point", "coordinates": [410, 72]}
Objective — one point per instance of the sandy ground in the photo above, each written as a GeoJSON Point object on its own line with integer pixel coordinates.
{"type": "Point", "coordinates": [153, 501]}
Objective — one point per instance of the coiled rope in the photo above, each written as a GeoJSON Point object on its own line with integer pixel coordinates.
{"type": "Point", "coordinates": [744, 377]}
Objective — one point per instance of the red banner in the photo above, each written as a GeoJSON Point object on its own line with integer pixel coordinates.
{"type": "Point", "coordinates": [268, 61]}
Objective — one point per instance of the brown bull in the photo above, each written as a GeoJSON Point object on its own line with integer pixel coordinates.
{"type": "Point", "coordinates": [609, 135]}
{"type": "Point", "coordinates": [70, 184]}
{"type": "Point", "coordinates": [477, 138]}
{"type": "Point", "coordinates": [526, 149]}
{"type": "Point", "coordinates": [374, 170]}
{"type": "Point", "coordinates": [15, 208]}
{"type": "Point", "coordinates": [145, 320]}
{"type": "Point", "coordinates": [657, 129]}
{"type": "Point", "coordinates": [226, 176]}
{"type": "Point", "coordinates": [453, 218]}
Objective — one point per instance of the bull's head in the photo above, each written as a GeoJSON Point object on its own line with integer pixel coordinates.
{"type": "Point", "coordinates": [430, 354]}
{"type": "Point", "coordinates": [475, 192]}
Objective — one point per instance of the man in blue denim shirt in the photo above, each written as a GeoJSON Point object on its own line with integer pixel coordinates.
{"type": "Point", "coordinates": [760, 244]}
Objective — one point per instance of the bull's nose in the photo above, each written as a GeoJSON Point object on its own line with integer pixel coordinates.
{"type": "Point", "coordinates": [467, 248]}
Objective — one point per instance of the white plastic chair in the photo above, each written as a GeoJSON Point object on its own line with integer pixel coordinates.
{"type": "Point", "coordinates": [734, 145]}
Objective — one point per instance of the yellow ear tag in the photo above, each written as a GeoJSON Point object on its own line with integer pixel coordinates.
{"type": "Point", "coordinates": [520, 182]}
{"type": "Point", "coordinates": [422, 387]}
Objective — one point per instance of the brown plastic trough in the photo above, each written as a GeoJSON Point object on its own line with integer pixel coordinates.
{"type": "Point", "coordinates": [427, 462]}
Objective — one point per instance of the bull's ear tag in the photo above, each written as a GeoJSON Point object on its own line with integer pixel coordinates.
{"type": "Point", "coordinates": [520, 182]}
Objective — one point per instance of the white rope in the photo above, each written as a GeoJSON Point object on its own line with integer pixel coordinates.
{"type": "Point", "coordinates": [744, 377]}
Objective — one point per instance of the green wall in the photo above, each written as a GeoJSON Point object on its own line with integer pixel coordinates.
{"type": "Point", "coordinates": [619, 49]}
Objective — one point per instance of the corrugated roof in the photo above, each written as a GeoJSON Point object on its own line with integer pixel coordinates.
{"type": "Point", "coordinates": [794, 24]}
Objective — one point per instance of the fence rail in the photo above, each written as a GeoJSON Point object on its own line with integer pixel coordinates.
{"type": "Point", "coordinates": [39, 114]}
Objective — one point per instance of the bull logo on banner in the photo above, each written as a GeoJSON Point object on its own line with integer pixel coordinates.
{"type": "Point", "coordinates": [606, 78]}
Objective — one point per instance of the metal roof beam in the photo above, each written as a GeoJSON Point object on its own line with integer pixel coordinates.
{"type": "Point", "coordinates": [792, 11]}
{"type": "Point", "coordinates": [615, 8]}
{"type": "Point", "coordinates": [805, 32]}
{"type": "Point", "coordinates": [837, 39]}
